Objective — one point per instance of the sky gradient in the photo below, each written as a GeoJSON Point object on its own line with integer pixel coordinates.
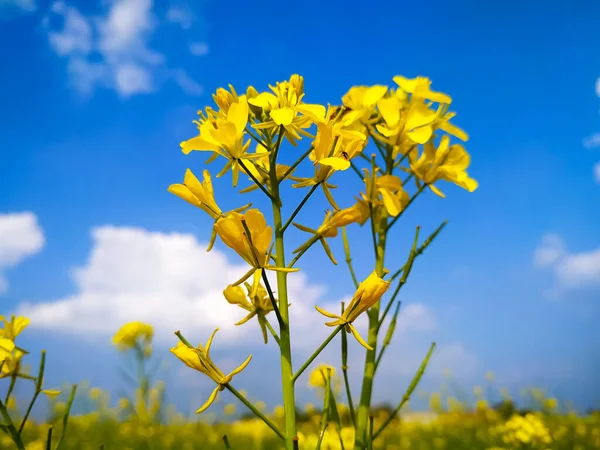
{"type": "Point", "coordinates": [97, 96]}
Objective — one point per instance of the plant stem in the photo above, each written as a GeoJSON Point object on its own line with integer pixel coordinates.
{"type": "Point", "coordinates": [38, 389]}
{"type": "Point", "coordinates": [11, 427]}
{"type": "Point", "coordinates": [362, 417]}
{"type": "Point", "coordinates": [348, 258]}
{"type": "Point", "coordinates": [285, 348]}
{"type": "Point", "coordinates": [308, 245]}
{"type": "Point", "coordinates": [302, 203]}
{"type": "Point", "coordinates": [345, 374]}
{"type": "Point", "coordinates": [252, 408]}
{"type": "Point", "coordinates": [258, 183]}
{"type": "Point", "coordinates": [293, 166]}
{"type": "Point", "coordinates": [317, 352]}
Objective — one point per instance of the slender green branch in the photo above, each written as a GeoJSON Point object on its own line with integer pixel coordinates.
{"type": "Point", "coordinates": [412, 199]}
{"type": "Point", "coordinates": [348, 258]}
{"type": "Point", "coordinates": [356, 171]}
{"type": "Point", "coordinates": [296, 164]}
{"type": "Point", "coordinates": [316, 352]}
{"type": "Point", "coordinates": [258, 183]}
{"type": "Point", "coordinates": [277, 145]}
{"type": "Point", "coordinates": [412, 386]}
{"type": "Point", "coordinates": [256, 412]}
{"type": "Point", "coordinates": [405, 273]}
{"type": "Point", "coordinates": [11, 386]}
{"type": "Point", "coordinates": [273, 333]}
{"type": "Point", "coordinates": [345, 375]}
{"type": "Point", "coordinates": [49, 439]}
{"type": "Point", "coordinates": [272, 297]}
{"type": "Point", "coordinates": [388, 336]}
{"type": "Point", "coordinates": [306, 246]}
{"type": "Point", "coordinates": [226, 442]}
{"type": "Point", "coordinates": [299, 207]}
{"type": "Point", "coordinates": [326, 410]}
{"type": "Point", "coordinates": [370, 442]}
{"type": "Point", "coordinates": [38, 390]}
{"type": "Point", "coordinates": [256, 138]}
{"type": "Point", "coordinates": [65, 420]}
{"type": "Point", "coordinates": [10, 426]}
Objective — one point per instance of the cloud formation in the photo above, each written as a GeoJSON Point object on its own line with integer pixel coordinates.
{"type": "Point", "coordinates": [571, 270]}
{"type": "Point", "coordinates": [20, 238]}
{"type": "Point", "coordinates": [112, 50]}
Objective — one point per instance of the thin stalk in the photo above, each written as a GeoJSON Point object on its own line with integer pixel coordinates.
{"type": "Point", "coordinates": [273, 333]}
{"type": "Point", "coordinates": [345, 375]}
{"type": "Point", "coordinates": [412, 199]}
{"type": "Point", "coordinates": [256, 138]}
{"type": "Point", "coordinates": [258, 183]}
{"type": "Point", "coordinates": [326, 408]}
{"type": "Point", "coordinates": [299, 207]}
{"type": "Point", "coordinates": [411, 387]}
{"type": "Point", "coordinates": [272, 297]}
{"type": "Point", "coordinates": [317, 352]}
{"type": "Point", "coordinates": [388, 335]}
{"type": "Point", "coordinates": [252, 408]}
{"type": "Point", "coordinates": [12, 429]}
{"type": "Point", "coordinates": [348, 258]}
{"type": "Point", "coordinates": [296, 164]}
{"type": "Point", "coordinates": [308, 245]}
{"type": "Point", "coordinates": [49, 439]}
{"type": "Point", "coordinates": [357, 171]}
{"type": "Point", "coordinates": [65, 420]}
{"type": "Point", "coordinates": [38, 390]}
{"type": "Point", "coordinates": [226, 442]}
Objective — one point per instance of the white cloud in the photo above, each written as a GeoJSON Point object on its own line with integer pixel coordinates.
{"type": "Point", "coordinates": [187, 84]}
{"type": "Point", "coordinates": [20, 237]}
{"type": "Point", "coordinates": [571, 270]}
{"type": "Point", "coordinates": [597, 172]}
{"type": "Point", "coordinates": [180, 15]}
{"type": "Point", "coordinates": [26, 6]}
{"type": "Point", "coordinates": [112, 50]}
{"type": "Point", "coordinates": [598, 87]}
{"type": "Point", "coordinates": [171, 282]}
{"type": "Point", "coordinates": [199, 48]}
{"type": "Point", "coordinates": [592, 141]}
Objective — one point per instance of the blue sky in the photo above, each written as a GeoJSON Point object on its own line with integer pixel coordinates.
{"type": "Point", "coordinates": [97, 96]}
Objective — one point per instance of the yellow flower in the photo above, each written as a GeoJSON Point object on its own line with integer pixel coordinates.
{"type": "Point", "coordinates": [389, 187]}
{"type": "Point", "coordinates": [201, 195]}
{"type": "Point", "coordinates": [285, 109]}
{"type": "Point", "coordinates": [253, 246]}
{"type": "Point", "coordinates": [229, 409]}
{"type": "Point", "coordinates": [14, 327]}
{"type": "Point", "coordinates": [357, 213]}
{"type": "Point", "coordinates": [318, 376]}
{"type": "Point", "coordinates": [447, 162]}
{"type": "Point", "coordinates": [6, 349]}
{"type": "Point", "coordinates": [258, 305]}
{"type": "Point", "coordinates": [131, 333]}
{"type": "Point", "coordinates": [224, 137]}
{"type": "Point", "coordinates": [199, 359]}
{"type": "Point", "coordinates": [10, 357]}
{"type": "Point", "coordinates": [361, 100]}
{"type": "Point", "coordinates": [368, 293]}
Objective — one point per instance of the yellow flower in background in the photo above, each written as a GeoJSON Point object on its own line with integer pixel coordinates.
{"type": "Point", "coordinates": [229, 409]}
{"type": "Point", "coordinates": [6, 348]}
{"type": "Point", "coordinates": [419, 87]}
{"type": "Point", "coordinates": [389, 187]}
{"type": "Point", "coordinates": [132, 333]}
{"type": "Point", "coordinates": [357, 213]}
{"type": "Point", "coordinates": [285, 109]}
{"type": "Point", "coordinates": [253, 246]}
{"type": "Point", "coordinates": [198, 358]}
{"type": "Point", "coordinates": [368, 293]}
{"type": "Point", "coordinates": [361, 101]}
{"type": "Point", "coordinates": [447, 162]}
{"type": "Point", "coordinates": [14, 327]}
{"type": "Point", "coordinates": [318, 376]}
{"type": "Point", "coordinates": [258, 305]}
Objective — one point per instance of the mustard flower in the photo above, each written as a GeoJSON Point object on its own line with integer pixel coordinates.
{"type": "Point", "coordinates": [258, 305]}
{"type": "Point", "coordinates": [224, 137]}
{"type": "Point", "coordinates": [285, 108]}
{"type": "Point", "coordinates": [318, 376]}
{"type": "Point", "coordinates": [198, 358]}
{"type": "Point", "coordinates": [447, 162]}
{"type": "Point", "coordinates": [253, 246]}
{"type": "Point", "coordinates": [357, 213]}
{"type": "Point", "coordinates": [14, 327]}
{"type": "Point", "coordinates": [368, 293]}
{"type": "Point", "coordinates": [361, 101]}
{"type": "Point", "coordinates": [202, 195]}
{"type": "Point", "coordinates": [260, 166]}
{"type": "Point", "coordinates": [385, 190]}
{"type": "Point", "coordinates": [131, 334]}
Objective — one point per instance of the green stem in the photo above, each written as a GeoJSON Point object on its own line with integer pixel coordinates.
{"type": "Point", "coordinates": [362, 417]}
{"type": "Point", "coordinates": [285, 347]}
{"type": "Point", "coordinates": [299, 207]}
{"type": "Point", "coordinates": [412, 199]}
{"type": "Point", "coordinates": [252, 408]}
{"type": "Point", "coordinates": [345, 375]}
{"type": "Point", "coordinates": [306, 246]}
{"type": "Point", "coordinates": [388, 336]}
{"type": "Point", "coordinates": [258, 183]}
{"type": "Point", "coordinates": [293, 166]}
{"type": "Point", "coordinates": [326, 410]}
{"type": "Point", "coordinates": [411, 387]}
{"type": "Point", "coordinates": [273, 333]}
{"type": "Point", "coordinates": [317, 352]}
{"type": "Point", "coordinates": [38, 389]}
{"type": "Point", "coordinates": [65, 419]}
{"type": "Point", "coordinates": [226, 442]}
{"type": "Point", "coordinates": [348, 258]}
{"type": "Point", "coordinates": [11, 427]}
{"type": "Point", "coordinates": [272, 298]}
